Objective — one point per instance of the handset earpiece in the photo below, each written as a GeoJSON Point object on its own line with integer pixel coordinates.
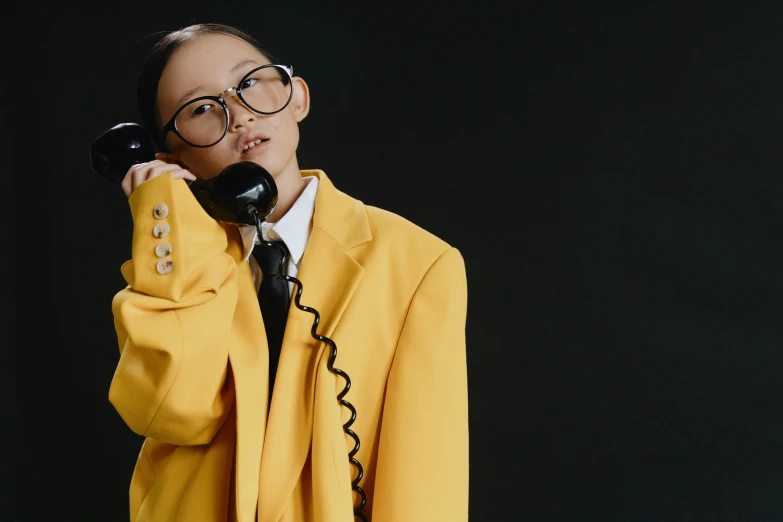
{"type": "Point", "coordinates": [119, 148]}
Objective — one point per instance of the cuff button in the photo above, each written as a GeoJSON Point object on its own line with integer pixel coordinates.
{"type": "Point", "coordinates": [165, 266]}
{"type": "Point", "coordinates": [163, 249]}
{"type": "Point", "coordinates": [161, 230]}
{"type": "Point", "coordinates": [160, 211]}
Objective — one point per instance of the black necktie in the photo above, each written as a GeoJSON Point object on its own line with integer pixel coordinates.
{"type": "Point", "coordinates": [274, 299]}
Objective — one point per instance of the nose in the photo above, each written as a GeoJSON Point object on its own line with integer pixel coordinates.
{"type": "Point", "coordinates": [239, 113]}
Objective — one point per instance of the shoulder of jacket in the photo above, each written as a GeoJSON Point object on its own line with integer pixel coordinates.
{"type": "Point", "coordinates": [390, 228]}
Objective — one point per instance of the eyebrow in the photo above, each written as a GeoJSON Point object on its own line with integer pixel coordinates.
{"type": "Point", "coordinates": [185, 97]}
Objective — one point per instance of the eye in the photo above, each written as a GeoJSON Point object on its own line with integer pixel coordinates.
{"type": "Point", "coordinates": [201, 109]}
{"type": "Point", "coordinates": [248, 83]}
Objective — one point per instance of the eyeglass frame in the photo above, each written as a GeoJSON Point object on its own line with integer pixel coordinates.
{"type": "Point", "coordinates": [171, 126]}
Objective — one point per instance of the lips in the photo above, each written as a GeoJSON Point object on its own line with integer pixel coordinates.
{"type": "Point", "coordinates": [252, 144]}
{"type": "Point", "coordinates": [249, 140]}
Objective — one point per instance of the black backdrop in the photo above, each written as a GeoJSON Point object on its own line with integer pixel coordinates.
{"type": "Point", "coordinates": [609, 171]}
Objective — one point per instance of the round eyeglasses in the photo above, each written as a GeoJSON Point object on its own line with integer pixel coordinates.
{"type": "Point", "coordinates": [203, 122]}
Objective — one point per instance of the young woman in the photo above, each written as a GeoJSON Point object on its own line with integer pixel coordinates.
{"type": "Point", "coordinates": [194, 371]}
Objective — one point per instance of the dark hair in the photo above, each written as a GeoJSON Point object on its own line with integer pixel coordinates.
{"type": "Point", "coordinates": [158, 58]}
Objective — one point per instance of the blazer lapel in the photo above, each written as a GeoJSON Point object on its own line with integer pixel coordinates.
{"type": "Point", "coordinates": [329, 277]}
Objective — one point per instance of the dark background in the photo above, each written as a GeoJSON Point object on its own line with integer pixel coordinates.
{"type": "Point", "coordinates": [610, 172]}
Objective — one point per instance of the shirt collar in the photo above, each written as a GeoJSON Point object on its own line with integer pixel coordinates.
{"type": "Point", "coordinates": [293, 228]}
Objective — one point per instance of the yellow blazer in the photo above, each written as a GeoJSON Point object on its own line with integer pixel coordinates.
{"type": "Point", "coordinates": [192, 376]}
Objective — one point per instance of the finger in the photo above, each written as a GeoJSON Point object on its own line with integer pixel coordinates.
{"type": "Point", "coordinates": [185, 174]}
{"type": "Point", "coordinates": [136, 168]}
{"type": "Point", "coordinates": [141, 174]}
{"type": "Point", "coordinates": [159, 170]}
{"type": "Point", "coordinates": [176, 171]}
{"type": "Point", "coordinates": [146, 165]}
{"type": "Point", "coordinates": [176, 174]}
{"type": "Point", "coordinates": [138, 177]}
{"type": "Point", "coordinates": [127, 183]}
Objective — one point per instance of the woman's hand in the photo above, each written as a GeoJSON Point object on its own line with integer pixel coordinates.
{"type": "Point", "coordinates": [141, 172]}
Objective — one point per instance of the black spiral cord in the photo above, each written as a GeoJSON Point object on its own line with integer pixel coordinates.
{"type": "Point", "coordinates": [357, 511]}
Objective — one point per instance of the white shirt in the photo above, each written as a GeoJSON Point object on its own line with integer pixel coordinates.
{"type": "Point", "coordinates": [293, 228]}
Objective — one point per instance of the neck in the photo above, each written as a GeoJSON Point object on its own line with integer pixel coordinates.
{"type": "Point", "coordinates": [290, 186]}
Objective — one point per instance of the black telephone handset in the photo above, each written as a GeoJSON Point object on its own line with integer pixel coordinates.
{"type": "Point", "coordinates": [232, 196]}
{"type": "Point", "coordinates": [243, 193]}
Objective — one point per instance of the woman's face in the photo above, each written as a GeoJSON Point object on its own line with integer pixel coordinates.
{"type": "Point", "coordinates": [209, 65]}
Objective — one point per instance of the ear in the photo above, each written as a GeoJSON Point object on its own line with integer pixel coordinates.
{"type": "Point", "coordinates": [300, 100]}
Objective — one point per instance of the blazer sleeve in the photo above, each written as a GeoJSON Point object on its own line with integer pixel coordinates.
{"type": "Point", "coordinates": [172, 382]}
{"type": "Point", "coordinates": [422, 468]}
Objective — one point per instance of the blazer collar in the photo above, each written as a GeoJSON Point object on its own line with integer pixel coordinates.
{"type": "Point", "coordinates": [339, 216]}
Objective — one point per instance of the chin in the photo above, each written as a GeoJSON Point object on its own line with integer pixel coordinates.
{"type": "Point", "coordinates": [271, 166]}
